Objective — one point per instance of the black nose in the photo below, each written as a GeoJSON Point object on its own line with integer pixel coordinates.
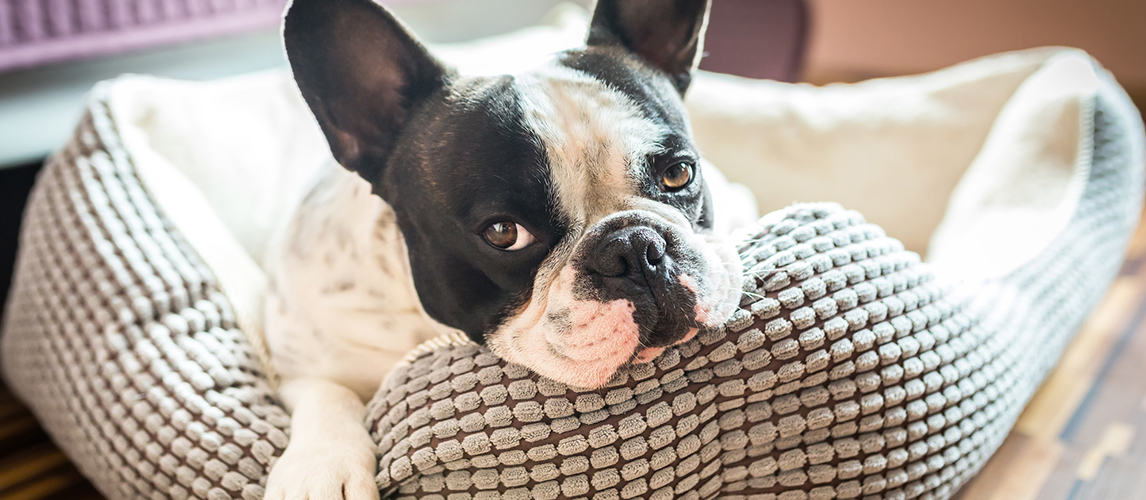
{"type": "Point", "coordinates": [634, 251]}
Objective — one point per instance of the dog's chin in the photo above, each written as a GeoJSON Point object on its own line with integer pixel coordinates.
{"type": "Point", "coordinates": [603, 338]}
{"type": "Point", "coordinates": [581, 343]}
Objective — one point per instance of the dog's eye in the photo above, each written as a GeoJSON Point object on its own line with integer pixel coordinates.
{"type": "Point", "coordinates": [677, 176]}
{"type": "Point", "coordinates": [507, 236]}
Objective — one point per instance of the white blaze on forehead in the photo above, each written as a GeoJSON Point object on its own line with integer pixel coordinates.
{"type": "Point", "coordinates": [596, 139]}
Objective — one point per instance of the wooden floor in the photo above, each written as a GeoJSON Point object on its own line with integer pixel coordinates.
{"type": "Point", "coordinates": [1082, 437]}
{"type": "Point", "coordinates": [30, 466]}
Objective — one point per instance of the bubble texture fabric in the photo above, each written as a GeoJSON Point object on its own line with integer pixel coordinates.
{"type": "Point", "coordinates": [119, 340]}
{"type": "Point", "coordinates": [851, 369]}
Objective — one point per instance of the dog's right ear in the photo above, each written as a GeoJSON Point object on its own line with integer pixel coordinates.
{"type": "Point", "coordinates": [667, 34]}
{"type": "Point", "coordinates": [361, 72]}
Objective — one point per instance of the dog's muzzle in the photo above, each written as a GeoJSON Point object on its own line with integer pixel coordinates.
{"type": "Point", "coordinates": [643, 260]}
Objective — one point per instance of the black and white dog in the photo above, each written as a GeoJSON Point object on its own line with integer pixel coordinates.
{"type": "Point", "coordinates": [559, 216]}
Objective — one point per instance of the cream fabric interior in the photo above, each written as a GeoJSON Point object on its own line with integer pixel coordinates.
{"type": "Point", "coordinates": [993, 148]}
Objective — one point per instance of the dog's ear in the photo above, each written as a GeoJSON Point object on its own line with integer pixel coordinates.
{"type": "Point", "coordinates": [668, 34]}
{"type": "Point", "coordinates": [361, 72]}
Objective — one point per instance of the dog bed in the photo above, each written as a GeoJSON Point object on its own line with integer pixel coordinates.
{"type": "Point", "coordinates": [851, 370]}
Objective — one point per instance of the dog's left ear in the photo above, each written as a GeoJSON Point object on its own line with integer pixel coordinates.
{"type": "Point", "coordinates": [668, 34]}
{"type": "Point", "coordinates": [362, 73]}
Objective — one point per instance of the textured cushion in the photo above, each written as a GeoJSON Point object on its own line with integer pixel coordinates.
{"type": "Point", "coordinates": [852, 369]}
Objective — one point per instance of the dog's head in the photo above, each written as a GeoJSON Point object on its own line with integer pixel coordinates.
{"type": "Point", "coordinates": [559, 215]}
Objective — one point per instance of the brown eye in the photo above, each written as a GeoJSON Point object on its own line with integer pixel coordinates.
{"type": "Point", "coordinates": [507, 236]}
{"type": "Point", "coordinates": [677, 176]}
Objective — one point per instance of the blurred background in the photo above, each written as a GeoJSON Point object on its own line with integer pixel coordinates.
{"type": "Point", "coordinates": [53, 51]}
{"type": "Point", "coordinates": [871, 38]}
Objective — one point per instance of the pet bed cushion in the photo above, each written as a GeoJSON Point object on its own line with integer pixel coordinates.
{"type": "Point", "coordinates": [852, 369]}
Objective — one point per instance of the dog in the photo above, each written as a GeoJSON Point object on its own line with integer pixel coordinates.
{"type": "Point", "coordinates": [560, 216]}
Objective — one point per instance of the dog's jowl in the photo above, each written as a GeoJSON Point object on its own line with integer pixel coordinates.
{"type": "Point", "coordinates": [559, 216]}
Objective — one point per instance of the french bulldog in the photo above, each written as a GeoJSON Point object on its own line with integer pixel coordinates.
{"type": "Point", "coordinates": [559, 216]}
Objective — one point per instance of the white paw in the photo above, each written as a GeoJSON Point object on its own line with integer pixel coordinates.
{"type": "Point", "coordinates": [327, 467]}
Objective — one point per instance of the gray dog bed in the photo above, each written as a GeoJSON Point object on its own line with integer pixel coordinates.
{"type": "Point", "coordinates": [851, 370]}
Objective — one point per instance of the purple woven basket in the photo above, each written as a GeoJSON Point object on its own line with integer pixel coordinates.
{"type": "Point", "coordinates": [36, 32]}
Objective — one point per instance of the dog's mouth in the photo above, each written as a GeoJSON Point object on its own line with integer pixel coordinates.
{"type": "Point", "coordinates": [661, 317]}
{"type": "Point", "coordinates": [682, 314]}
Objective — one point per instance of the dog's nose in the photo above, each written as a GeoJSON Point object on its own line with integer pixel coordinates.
{"type": "Point", "coordinates": [633, 251]}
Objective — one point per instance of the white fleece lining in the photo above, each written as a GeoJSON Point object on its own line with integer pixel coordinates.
{"type": "Point", "coordinates": [1024, 185]}
{"type": "Point", "coordinates": [211, 157]}
{"type": "Point", "coordinates": [996, 149]}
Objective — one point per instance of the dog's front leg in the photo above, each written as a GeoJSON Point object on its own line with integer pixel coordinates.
{"type": "Point", "coordinates": [330, 455]}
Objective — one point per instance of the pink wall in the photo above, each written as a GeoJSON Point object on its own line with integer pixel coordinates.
{"type": "Point", "coordinates": [862, 38]}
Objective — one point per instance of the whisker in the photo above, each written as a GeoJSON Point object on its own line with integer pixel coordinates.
{"type": "Point", "coordinates": [754, 295]}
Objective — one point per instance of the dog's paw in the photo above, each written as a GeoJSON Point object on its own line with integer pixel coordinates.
{"type": "Point", "coordinates": [325, 468]}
